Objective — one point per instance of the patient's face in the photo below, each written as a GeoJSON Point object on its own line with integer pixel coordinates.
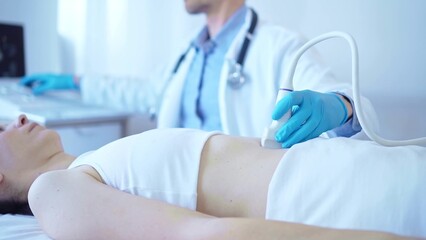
{"type": "Point", "coordinates": [26, 145]}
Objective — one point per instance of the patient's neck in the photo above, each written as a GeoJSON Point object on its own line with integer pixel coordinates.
{"type": "Point", "coordinates": [58, 161]}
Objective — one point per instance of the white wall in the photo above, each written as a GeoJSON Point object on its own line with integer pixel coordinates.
{"type": "Point", "coordinates": [390, 35]}
{"type": "Point", "coordinates": [40, 31]}
{"type": "Point", "coordinates": [123, 37]}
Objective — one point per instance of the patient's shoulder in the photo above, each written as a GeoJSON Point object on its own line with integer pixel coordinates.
{"type": "Point", "coordinates": [56, 191]}
{"type": "Point", "coordinates": [49, 186]}
{"type": "Point", "coordinates": [46, 182]}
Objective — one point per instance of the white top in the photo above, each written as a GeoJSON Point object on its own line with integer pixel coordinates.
{"type": "Point", "coordinates": [347, 183]}
{"type": "Point", "coordinates": [156, 164]}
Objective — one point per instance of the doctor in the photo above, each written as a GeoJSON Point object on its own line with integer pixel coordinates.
{"type": "Point", "coordinates": [228, 79]}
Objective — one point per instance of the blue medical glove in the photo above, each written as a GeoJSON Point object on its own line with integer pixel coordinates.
{"type": "Point", "coordinates": [41, 83]}
{"type": "Point", "coordinates": [313, 114]}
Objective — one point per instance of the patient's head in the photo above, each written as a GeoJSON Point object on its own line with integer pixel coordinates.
{"type": "Point", "coordinates": [26, 149]}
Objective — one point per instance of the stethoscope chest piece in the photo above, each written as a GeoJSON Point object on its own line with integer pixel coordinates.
{"type": "Point", "coordinates": [236, 78]}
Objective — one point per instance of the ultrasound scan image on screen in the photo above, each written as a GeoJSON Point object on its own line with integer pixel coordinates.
{"type": "Point", "coordinates": [12, 61]}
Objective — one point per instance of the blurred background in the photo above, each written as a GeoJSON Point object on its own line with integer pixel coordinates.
{"type": "Point", "coordinates": [133, 37]}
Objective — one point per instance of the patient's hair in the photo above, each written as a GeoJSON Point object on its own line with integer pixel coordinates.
{"type": "Point", "coordinates": [14, 207]}
{"type": "Point", "coordinates": [13, 204]}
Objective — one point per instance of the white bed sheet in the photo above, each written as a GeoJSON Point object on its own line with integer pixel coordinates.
{"type": "Point", "coordinates": [20, 227]}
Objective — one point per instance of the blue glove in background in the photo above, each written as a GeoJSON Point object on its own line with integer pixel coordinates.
{"type": "Point", "coordinates": [313, 114]}
{"type": "Point", "coordinates": [40, 83]}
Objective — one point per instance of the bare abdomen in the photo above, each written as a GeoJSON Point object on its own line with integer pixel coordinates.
{"type": "Point", "coordinates": [234, 176]}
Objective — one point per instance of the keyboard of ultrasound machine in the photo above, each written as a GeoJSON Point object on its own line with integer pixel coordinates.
{"type": "Point", "coordinates": [59, 105]}
{"type": "Point", "coordinates": [21, 98]}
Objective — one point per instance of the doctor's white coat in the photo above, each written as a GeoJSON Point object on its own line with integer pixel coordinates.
{"type": "Point", "coordinates": [245, 111]}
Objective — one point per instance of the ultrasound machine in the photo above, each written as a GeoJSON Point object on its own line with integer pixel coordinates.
{"type": "Point", "coordinates": [61, 110]}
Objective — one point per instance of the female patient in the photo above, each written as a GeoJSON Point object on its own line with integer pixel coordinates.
{"type": "Point", "coordinates": [149, 186]}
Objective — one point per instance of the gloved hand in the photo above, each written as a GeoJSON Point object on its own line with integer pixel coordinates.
{"type": "Point", "coordinates": [313, 113]}
{"type": "Point", "coordinates": [40, 83]}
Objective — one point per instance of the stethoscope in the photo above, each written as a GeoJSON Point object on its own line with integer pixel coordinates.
{"type": "Point", "coordinates": [236, 78]}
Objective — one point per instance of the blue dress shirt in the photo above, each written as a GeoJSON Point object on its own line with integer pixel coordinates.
{"type": "Point", "coordinates": [200, 105]}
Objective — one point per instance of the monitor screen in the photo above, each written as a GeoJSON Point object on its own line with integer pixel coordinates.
{"type": "Point", "coordinates": [12, 61]}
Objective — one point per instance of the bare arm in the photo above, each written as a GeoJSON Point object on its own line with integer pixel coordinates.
{"type": "Point", "coordinates": [72, 204]}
